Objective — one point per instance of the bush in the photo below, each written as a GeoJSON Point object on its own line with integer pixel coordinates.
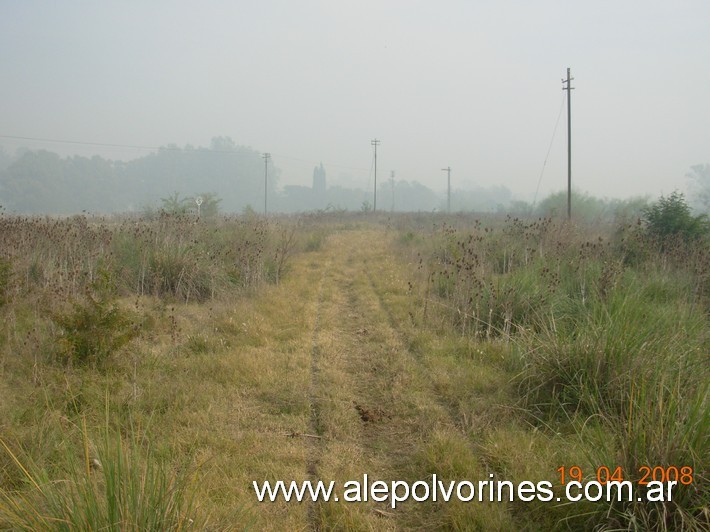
{"type": "Point", "coordinates": [671, 217]}
{"type": "Point", "coordinates": [93, 329]}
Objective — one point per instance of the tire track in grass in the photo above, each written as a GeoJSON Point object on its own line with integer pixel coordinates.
{"type": "Point", "coordinates": [389, 395]}
{"type": "Point", "coordinates": [315, 444]}
{"type": "Point", "coordinates": [452, 410]}
{"type": "Point", "coordinates": [400, 338]}
{"type": "Point", "coordinates": [350, 393]}
{"type": "Point", "coordinates": [374, 409]}
{"type": "Point", "coordinates": [448, 435]}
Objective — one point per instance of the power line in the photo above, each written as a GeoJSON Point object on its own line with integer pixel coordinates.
{"type": "Point", "coordinates": [549, 149]}
{"type": "Point", "coordinates": [84, 143]}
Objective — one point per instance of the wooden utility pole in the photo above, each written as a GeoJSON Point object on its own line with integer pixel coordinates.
{"type": "Point", "coordinates": [448, 187]}
{"type": "Point", "coordinates": [266, 157]}
{"type": "Point", "coordinates": [375, 143]}
{"type": "Point", "coordinates": [569, 88]}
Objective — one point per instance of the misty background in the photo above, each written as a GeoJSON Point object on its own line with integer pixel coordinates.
{"type": "Point", "coordinates": [113, 106]}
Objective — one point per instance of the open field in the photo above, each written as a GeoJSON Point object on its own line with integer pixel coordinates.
{"type": "Point", "coordinates": [150, 371]}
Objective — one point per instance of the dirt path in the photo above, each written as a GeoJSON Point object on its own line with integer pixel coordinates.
{"type": "Point", "coordinates": [373, 407]}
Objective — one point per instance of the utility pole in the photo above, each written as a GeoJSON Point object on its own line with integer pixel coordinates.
{"type": "Point", "coordinates": [375, 143]}
{"type": "Point", "coordinates": [569, 88]}
{"type": "Point", "coordinates": [448, 188]}
{"type": "Point", "coordinates": [266, 157]}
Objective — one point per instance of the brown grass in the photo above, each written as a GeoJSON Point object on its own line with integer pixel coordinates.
{"type": "Point", "coordinates": [310, 356]}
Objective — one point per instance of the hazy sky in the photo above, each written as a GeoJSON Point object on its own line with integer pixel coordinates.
{"type": "Point", "coordinates": [475, 85]}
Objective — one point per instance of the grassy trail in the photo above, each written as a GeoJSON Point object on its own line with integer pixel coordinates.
{"type": "Point", "coordinates": [368, 353]}
{"type": "Point", "coordinates": [373, 406]}
{"type": "Point", "coordinates": [328, 376]}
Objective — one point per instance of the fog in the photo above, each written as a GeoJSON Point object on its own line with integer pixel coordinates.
{"type": "Point", "coordinates": [474, 85]}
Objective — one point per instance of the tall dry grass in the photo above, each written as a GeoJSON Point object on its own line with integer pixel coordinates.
{"type": "Point", "coordinates": [116, 484]}
{"type": "Point", "coordinates": [123, 306]}
{"type": "Point", "coordinates": [609, 335]}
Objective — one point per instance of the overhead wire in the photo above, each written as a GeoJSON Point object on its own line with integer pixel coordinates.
{"type": "Point", "coordinates": [549, 149]}
{"type": "Point", "coordinates": [85, 143]}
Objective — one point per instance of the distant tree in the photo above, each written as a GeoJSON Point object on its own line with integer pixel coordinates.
{"type": "Point", "coordinates": [348, 199]}
{"type": "Point", "coordinates": [584, 207]}
{"type": "Point", "coordinates": [35, 183]}
{"type": "Point", "coordinates": [518, 207]}
{"type": "Point", "coordinates": [44, 182]}
{"type": "Point", "coordinates": [234, 172]}
{"type": "Point", "coordinates": [700, 186]}
{"type": "Point", "coordinates": [479, 199]}
{"type": "Point", "coordinates": [174, 205]}
{"type": "Point", "coordinates": [222, 144]}
{"type": "Point", "coordinates": [5, 159]}
{"type": "Point", "coordinates": [591, 209]}
{"type": "Point", "coordinates": [671, 218]}
{"type": "Point", "coordinates": [627, 210]}
{"type": "Point", "coordinates": [409, 196]}
{"type": "Point", "coordinates": [296, 198]}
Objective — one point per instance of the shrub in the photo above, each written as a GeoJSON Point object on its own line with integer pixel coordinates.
{"type": "Point", "coordinates": [94, 328]}
{"type": "Point", "coordinates": [671, 218]}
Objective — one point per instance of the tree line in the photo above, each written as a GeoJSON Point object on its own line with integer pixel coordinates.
{"type": "Point", "coordinates": [230, 178]}
{"type": "Point", "coordinates": [43, 182]}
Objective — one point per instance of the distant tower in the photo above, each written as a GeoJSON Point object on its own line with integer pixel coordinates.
{"type": "Point", "coordinates": [319, 181]}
